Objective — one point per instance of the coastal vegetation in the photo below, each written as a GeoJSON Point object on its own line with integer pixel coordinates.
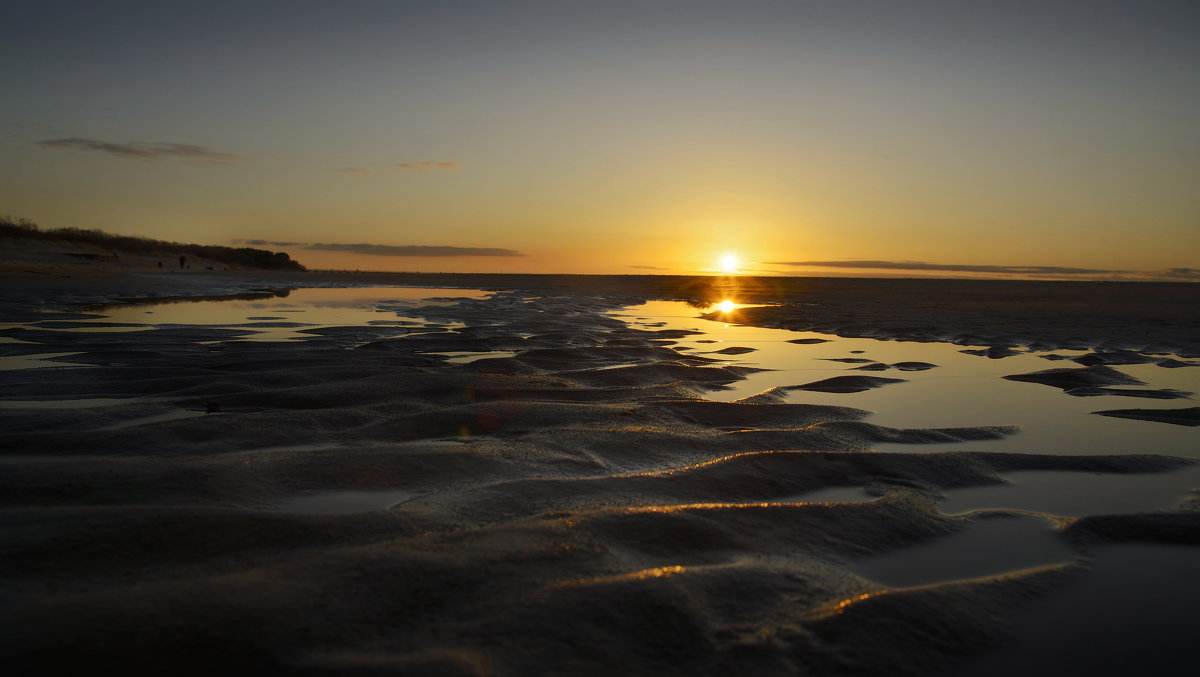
{"type": "Point", "coordinates": [239, 256]}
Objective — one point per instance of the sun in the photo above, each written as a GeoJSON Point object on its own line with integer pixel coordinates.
{"type": "Point", "coordinates": [726, 306]}
{"type": "Point", "coordinates": [729, 263]}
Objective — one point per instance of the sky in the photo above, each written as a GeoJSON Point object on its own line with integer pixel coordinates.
{"type": "Point", "coordinates": [1044, 139]}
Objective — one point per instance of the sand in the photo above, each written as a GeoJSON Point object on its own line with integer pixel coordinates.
{"type": "Point", "coordinates": [574, 508]}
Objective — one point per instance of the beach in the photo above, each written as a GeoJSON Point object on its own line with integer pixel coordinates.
{"type": "Point", "coordinates": [519, 480]}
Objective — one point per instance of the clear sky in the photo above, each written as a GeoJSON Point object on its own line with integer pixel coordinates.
{"type": "Point", "coordinates": [878, 137]}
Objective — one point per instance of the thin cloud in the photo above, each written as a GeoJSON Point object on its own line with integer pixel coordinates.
{"type": "Point", "coordinates": [426, 166]}
{"type": "Point", "coordinates": [1185, 274]}
{"type": "Point", "coordinates": [141, 150]}
{"type": "Point", "coordinates": [356, 170]}
{"type": "Point", "coordinates": [412, 250]}
{"type": "Point", "coordinates": [649, 267]}
{"type": "Point", "coordinates": [949, 267]}
{"type": "Point", "coordinates": [266, 243]}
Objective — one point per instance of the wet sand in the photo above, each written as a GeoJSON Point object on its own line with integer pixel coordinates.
{"type": "Point", "coordinates": [573, 507]}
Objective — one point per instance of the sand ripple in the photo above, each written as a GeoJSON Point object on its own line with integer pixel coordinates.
{"type": "Point", "coordinates": [577, 507]}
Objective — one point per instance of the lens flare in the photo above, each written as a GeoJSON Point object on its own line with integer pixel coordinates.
{"type": "Point", "coordinates": [725, 306]}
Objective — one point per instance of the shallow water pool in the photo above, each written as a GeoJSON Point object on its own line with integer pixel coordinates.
{"type": "Point", "coordinates": [279, 316]}
{"type": "Point", "coordinates": [962, 390]}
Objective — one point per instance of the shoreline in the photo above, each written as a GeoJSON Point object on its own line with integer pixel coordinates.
{"type": "Point", "coordinates": [1148, 317]}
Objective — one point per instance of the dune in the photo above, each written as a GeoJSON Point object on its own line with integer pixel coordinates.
{"type": "Point", "coordinates": [569, 503]}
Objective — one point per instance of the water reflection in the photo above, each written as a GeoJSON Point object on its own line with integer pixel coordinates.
{"type": "Point", "coordinates": [1074, 494]}
{"type": "Point", "coordinates": [986, 547]}
{"type": "Point", "coordinates": [260, 317]}
{"type": "Point", "coordinates": [344, 501]}
{"type": "Point", "coordinates": [944, 387]}
{"type": "Point", "coordinates": [280, 315]}
{"type": "Point", "coordinates": [1117, 620]}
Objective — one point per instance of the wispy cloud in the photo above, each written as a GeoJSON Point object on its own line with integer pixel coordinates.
{"type": "Point", "coordinates": [412, 250]}
{"type": "Point", "coordinates": [266, 243]}
{"type": "Point", "coordinates": [356, 170]}
{"type": "Point", "coordinates": [141, 150]}
{"type": "Point", "coordinates": [649, 267]}
{"type": "Point", "coordinates": [426, 166]}
{"type": "Point", "coordinates": [1182, 274]}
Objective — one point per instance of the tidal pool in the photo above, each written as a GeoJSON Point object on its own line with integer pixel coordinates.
{"type": "Point", "coordinates": [280, 316]}
{"type": "Point", "coordinates": [287, 317]}
{"type": "Point", "coordinates": [1132, 612]}
{"type": "Point", "coordinates": [269, 317]}
{"type": "Point", "coordinates": [962, 390]}
{"type": "Point", "coordinates": [986, 547]}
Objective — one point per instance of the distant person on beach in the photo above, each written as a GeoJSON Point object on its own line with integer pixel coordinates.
{"type": "Point", "coordinates": [182, 261]}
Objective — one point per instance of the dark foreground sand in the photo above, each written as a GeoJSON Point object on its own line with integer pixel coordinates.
{"type": "Point", "coordinates": [575, 509]}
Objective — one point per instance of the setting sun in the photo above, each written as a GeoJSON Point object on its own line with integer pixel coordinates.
{"type": "Point", "coordinates": [624, 312]}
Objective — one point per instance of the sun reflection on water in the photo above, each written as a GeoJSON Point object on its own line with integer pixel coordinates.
{"type": "Point", "coordinates": [843, 604]}
{"type": "Point", "coordinates": [644, 574]}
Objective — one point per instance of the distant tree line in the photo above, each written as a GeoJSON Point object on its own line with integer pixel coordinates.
{"type": "Point", "coordinates": [241, 256]}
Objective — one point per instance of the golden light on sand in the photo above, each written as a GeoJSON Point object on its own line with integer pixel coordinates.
{"type": "Point", "coordinates": [726, 306]}
{"type": "Point", "coordinates": [729, 263]}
